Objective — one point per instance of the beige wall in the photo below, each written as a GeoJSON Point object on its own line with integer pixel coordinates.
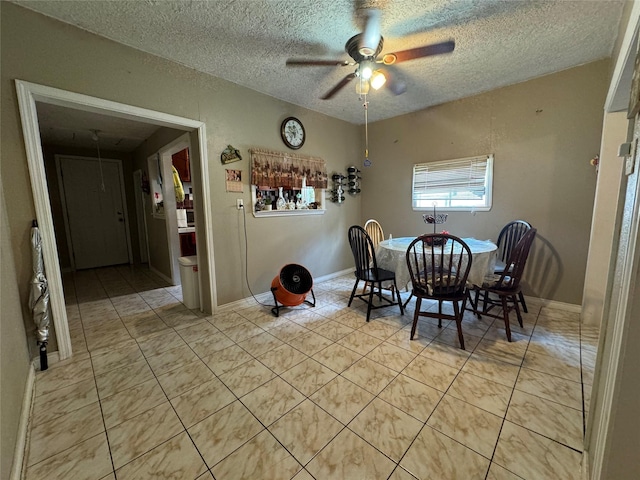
{"type": "Point", "coordinates": [542, 132]}
{"type": "Point", "coordinates": [65, 57]}
{"type": "Point", "coordinates": [159, 252]}
{"type": "Point", "coordinates": [14, 356]}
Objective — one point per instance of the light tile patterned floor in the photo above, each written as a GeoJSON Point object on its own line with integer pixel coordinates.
{"type": "Point", "coordinates": [158, 391]}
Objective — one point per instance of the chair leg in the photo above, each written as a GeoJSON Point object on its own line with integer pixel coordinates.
{"type": "Point", "coordinates": [353, 292]}
{"type": "Point", "coordinates": [415, 317]}
{"type": "Point", "coordinates": [517, 307]}
{"type": "Point", "coordinates": [439, 313]}
{"type": "Point", "coordinates": [394, 289]}
{"type": "Point", "coordinates": [475, 303]}
{"type": "Point", "coordinates": [456, 311]}
{"type": "Point", "coordinates": [505, 314]}
{"type": "Point", "coordinates": [370, 301]}
{"type": "Point", "coordinates": [522, 302]}
{"type": "Point", "coordinates": [364, 289]}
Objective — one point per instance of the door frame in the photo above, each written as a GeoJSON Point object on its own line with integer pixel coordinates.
{"type": "Point", "coordinates": [65, 214]}
{"type": "Point", "coordinates": [141, 219]}
{"type": "Point", "coordinates": [169, 198]}
{"type": "Point", "coordinates": [28, 94]}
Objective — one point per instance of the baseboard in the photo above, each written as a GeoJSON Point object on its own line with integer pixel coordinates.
{"type": "Point", "coordinates": [567, 307]}
{"type": "Point", "coordinates": [267, 297]}
{"type": "Point", "coordinates": [331, 276]}
{"type": "Point", "coordinates": [584, 464]}
{"type": "Point", "coordinates": [19, 457]}
{"type": "Point", "coordinates": [161, 275]}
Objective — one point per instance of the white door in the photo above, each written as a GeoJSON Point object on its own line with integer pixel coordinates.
{"type": "Point", "coordinates": [93, 196]}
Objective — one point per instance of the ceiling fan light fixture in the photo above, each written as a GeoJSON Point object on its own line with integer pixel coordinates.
{"type": "Point", "coordinates": [362, 86]}
{"type": "Point", "coordinates": [366, 70]}
{"type": "Point", "coordinates": [377, 80]}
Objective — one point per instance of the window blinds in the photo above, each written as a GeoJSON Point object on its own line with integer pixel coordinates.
{"type": "Point", "coordinates": [462, 179]}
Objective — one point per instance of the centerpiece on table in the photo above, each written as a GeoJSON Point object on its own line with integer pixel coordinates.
{"type": "Point", "coordinates": [435, 219]}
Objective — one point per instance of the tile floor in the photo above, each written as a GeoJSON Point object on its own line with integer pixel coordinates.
{"type": "Point", "coordinates": [158, 391]}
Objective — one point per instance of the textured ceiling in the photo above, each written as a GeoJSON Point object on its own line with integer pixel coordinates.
{"type": "Point", "coordinates": [498, 42]}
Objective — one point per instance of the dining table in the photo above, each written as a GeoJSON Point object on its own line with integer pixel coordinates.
{"type": "Point", "coordinates": [391, 255]}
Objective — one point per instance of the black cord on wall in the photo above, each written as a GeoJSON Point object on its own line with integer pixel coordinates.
{"type": "Point", "coordinates": [246, 258]}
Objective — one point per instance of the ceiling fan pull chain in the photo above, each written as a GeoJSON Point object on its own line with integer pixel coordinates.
{"type": "Point", "coordinates": [365, 104]}
{"type": "Point", "coordinates": [97, 140]}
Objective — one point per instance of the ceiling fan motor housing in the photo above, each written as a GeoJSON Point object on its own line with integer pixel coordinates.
{"type": "Point", "coordinates": [291, 285]}
{"type": "Point", "coordinates": [353, 49]}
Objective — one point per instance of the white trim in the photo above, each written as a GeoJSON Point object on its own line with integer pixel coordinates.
{"type": "Point", "coordinates": [265, 296]}
{"type": "Point", "coordinates": [205, 192]}
{"type": "Point", "coordinates": [169, 198]}
{"type": "Point", "coordinates": [28, 93]}
{"type": "Point", "coordinates": [35, 160]}
{"type": "Point", "coordinates": [52, 358]}
{"type": "Point", "coordinates": [626, 49]}
{"type": "Point", "coordinates": [288, 213]}
{"type": "Point", "coordinates": [611, 367]}
{"type": "Point", "coordinates": [160, 274]}
{"type": "Point", "coordinates": [584, 465]}
{"type": "Point", "coordinates": [567, 307]}
{"type": "Point", "coordinates": [141, 217]}
{"type": "Point", "coordinates": [23, 426]}
{"type": "Point", "coordinates": [331, 276]}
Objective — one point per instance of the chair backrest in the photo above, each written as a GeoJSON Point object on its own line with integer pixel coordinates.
{"type": "Point", "coordinates": [514, 268]}
{"type": "Point", "coordinates": [439, 265]}
{"type": "Point", "coordinates": [509, 237]}
{"type": "Point", "coordinates": [364, 253]}
{"type": "Point", "coordinates": [374, 230]}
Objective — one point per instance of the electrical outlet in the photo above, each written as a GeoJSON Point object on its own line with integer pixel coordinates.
{"type": "Point", "coordinates": [239, 204]}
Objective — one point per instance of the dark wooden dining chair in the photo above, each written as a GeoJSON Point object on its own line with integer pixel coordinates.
{"type": "Point", "coordinates": [502, 290]}
{"type": "Point", "coordinates": [439, 265]}
{"type": "Point", "coordinates": [367, 270]}
{"type": "Point", "coordinates": [508, 238]}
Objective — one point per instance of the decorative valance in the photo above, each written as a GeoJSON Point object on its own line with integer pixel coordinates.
{"type": "Point", "coordinates": [281, 169]}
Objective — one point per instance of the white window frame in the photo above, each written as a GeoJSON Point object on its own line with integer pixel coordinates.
{"type": "Point", "coordinates": [444, 204]}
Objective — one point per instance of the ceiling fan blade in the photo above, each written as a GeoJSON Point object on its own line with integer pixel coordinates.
{"type": "Point", "coordinates": [339, 86]}
{"type": "Point", "coordinates": [302, 62]}
{"type": "Point", "coordinates": [395, 83]}
{"type": "Point", "coordinates": [419, 52]}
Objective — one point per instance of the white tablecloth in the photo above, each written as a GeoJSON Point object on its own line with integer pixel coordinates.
{"type": "Point", "coordinates": [391, 255]}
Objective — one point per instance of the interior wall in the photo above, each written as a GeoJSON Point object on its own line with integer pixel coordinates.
{"type": "Point", "coordinates": [14, 353]}
{"type": "Point", "coordinates": [159, 252]}
{"type": "Point", "coordinates": [65, 57]}
{"type": "Point", "coordinates": [542, 132]}
{"type": "Point", "coordinates": [605, 211]}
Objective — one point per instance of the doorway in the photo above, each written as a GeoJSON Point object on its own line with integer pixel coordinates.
{"type": "Point", "coordinates": [94, 205]}
{"type": "Point", "coordinates": [28, 94]}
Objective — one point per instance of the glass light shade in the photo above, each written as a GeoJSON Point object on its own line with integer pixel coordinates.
{"type": "Point", "coordinates": [377, 79]}
{"type": "Point", "coordinates": [362, 87]}
{"type": "Point", "coordinates": [366, 70]}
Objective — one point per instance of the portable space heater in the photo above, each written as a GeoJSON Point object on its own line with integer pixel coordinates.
{"type": "Point", "coordinates": [291, 286]}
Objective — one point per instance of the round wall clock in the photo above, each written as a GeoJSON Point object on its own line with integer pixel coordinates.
{"type": "Point", "coordinates": [292, 133]}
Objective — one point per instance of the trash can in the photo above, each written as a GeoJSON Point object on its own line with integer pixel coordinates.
{"type": "Point", "coordinates": [190, 283]}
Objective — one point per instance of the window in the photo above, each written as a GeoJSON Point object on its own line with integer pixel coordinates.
{"type": "Point", "coordinates": [460, 184]}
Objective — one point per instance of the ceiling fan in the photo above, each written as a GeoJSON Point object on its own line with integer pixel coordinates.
{"type": "Point", "coordinates": [364, 48]}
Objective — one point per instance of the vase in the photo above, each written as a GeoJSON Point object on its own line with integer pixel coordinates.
{"type": "Point", "coordinates": [281, 204]}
